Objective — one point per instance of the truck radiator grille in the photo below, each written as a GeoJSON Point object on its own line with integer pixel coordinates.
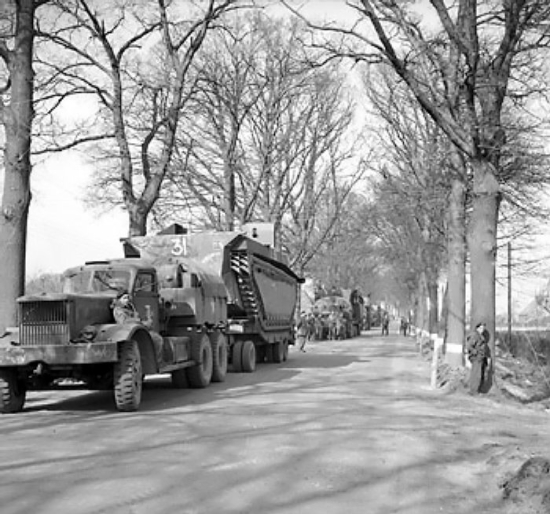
{"type": "Point", "coordinates": [43, 323]}
{"type": "Point", "coordinates": [241, 266]}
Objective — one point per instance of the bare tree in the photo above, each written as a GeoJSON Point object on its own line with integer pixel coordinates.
{"type": "Point", "coordinates": [16, 115]}
{"type": "Point", "coordinates": [461, 74]}
{"type": "Point", "coordinates": [409, 200]}
{"type": "Point", "coordinates": [348, 256]}
{"type": "Point", "coordinates": [420, 157]}
{"type": "Point", "coordinates": [268, 138]}
{"type": "Point", "coordinates": [413, 152]}
{"type": "Point", "coordinates": [210, 141]}
{"type": "Point", "coordinates": [135, 61]}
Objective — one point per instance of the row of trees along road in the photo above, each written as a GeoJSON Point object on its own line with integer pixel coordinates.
{"type": "Point", "coordinates": [235, 118]}
{"type": "Point", "coordinates": [197, 108]}
{"type": "Point", "coordinates": [467, 64]}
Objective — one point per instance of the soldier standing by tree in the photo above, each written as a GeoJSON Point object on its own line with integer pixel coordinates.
{"type": "Point", "coordinates": [479, 354]}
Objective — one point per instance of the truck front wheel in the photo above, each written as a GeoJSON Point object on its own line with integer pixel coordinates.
{"type": "Point", "coordinates": [12, 392]}
{"type": "Point", "coordinates": [200, 374]}
{"type": "Point", "coordinates": [128, 377]}
{"type": "Point", "coordinates": [219, 354]}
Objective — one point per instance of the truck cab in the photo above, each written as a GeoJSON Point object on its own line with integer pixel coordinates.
{"type": "Point", "coordinates": [105, 280]}
{"type": "Point", "coordinates": [74, 336]}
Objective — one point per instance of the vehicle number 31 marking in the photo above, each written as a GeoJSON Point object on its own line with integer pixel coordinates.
{"type": "Point", "coordinates": [179, 246]}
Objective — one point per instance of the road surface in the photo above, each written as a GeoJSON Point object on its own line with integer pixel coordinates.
{"type": "Point", "coordinates": [348, 427]}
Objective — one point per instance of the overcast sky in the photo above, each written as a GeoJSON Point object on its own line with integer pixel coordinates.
{"type": "Point", "coordinates": [62, 232]}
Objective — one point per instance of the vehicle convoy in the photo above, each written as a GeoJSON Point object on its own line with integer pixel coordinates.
{"type": "Point", "coordinates": [201, 302]}
{"type": "Point", "coordinates": [335, 319]}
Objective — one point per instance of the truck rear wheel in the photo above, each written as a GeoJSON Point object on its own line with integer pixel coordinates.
{"type": "Point", "coordinates": [200, 375]}
{"type": "Point", "coordinates": [236, 356]}
{"type": "Point", "coordinates": [128, 377]}
{"type": "Point", "coordinates": [248, 356]}
{"type": "Point", "coordinates": [277, 352]}
{"type": "Point", "coordinates": [12, 392]}
{"type": "Point", "coordinates": [219, 356]}
{"type": "Point", "coordinates": [243, 356]}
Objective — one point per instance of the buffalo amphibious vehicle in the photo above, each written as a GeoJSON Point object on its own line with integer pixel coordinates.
{"type": "Point", "coordinates": [203, 301]}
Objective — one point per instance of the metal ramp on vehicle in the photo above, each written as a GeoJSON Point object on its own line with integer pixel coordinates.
{"type": "Point", "coordinates": [241, 266]}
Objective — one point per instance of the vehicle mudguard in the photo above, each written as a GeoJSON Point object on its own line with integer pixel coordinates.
{"type": "Point", "coordinates": [114, 333]}
{"type": "Point", "coordinates": [150, 344]}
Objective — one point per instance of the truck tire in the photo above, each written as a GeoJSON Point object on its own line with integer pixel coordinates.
{"type": "Point", "coordinates": [285, 350]}
{"type": "Point", "coordinates": [200, 375]}
{"type": "Point", "coordinates": [248, 356]}
{"type": "Point", "coordinates": [12, 392]}
{"type": "Point", "coordinates": [219, 356]}
{"type": "Point", "coordinates": [128, 377]}
{"type": "Point", "coordinates": [277, 352]}
{"type": "Point", "coordinates": [236, 356]}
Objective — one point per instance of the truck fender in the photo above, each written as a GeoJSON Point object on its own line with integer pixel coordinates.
{"type": "Point", "coordinates": [150, 348]}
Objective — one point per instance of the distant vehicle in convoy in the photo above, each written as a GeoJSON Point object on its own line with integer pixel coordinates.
{"type": "Point", "coordinates": [201, 302]}
{"type": "Point", "coordinates": [334, 318]}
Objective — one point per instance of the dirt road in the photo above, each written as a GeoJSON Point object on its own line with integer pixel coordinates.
{"type": "Point", "coordinates": [348, 427]}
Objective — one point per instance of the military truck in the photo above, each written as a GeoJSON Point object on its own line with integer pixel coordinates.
{"type": "Point", "coordinates": [335, 318]}
{"type": "Point", "coordinates": [203, 302]}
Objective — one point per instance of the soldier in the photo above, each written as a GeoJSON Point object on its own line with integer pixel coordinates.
{"type": "Point", "coordinates": [303, 331]}
{"type": "Point", "coordinates": [368, 312]}
{"type": "Point", "coordinates": [317, 326]}
{"type": "Point", "coordinates": [404, 326]}
{"type": "Point", "coordinates": [123, 309]}
{"type": "Point", "coordinates": [357, 302]}
{"type": "Point", "coordinates": [479, 354]}
{"type": "Point", "coordinates": [332, 321]}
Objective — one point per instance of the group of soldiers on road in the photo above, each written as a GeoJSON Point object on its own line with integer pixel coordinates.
{"type": "Point", "coordinates": [334, 318]}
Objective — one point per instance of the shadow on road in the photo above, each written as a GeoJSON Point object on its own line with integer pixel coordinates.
{"type": "Point", "coordinates": [158, 393]}
{"type": "Point", "coordinates": [321, 360]}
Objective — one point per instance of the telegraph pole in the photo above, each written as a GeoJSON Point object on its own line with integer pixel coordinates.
{"type": "Point", "coordinates": [509, 292]}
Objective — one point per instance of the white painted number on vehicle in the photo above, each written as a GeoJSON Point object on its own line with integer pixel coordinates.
{"type": "Point", "coordinates": [180, 246]}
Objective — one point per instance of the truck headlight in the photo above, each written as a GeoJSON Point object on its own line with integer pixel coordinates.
{"type": "Point", "coordinates": [87, 334]}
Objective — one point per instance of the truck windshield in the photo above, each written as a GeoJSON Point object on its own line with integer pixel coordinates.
{"type": "Point", "coordinates": [96, 281]}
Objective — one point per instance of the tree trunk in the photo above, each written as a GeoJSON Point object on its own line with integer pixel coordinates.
{"type": "Point", "coordinates": [137, 215]}
{"type": "Point", "coordinates": [421, 310]}
{"type": "Point", "coordinates": [229, 179]}
{"type": "Point", "coordinates": [16, 196]}
{"type": "Point", "coordinates": [433, 295]}
{"type": "Point", "coordinates": [456, 250]}
{"type": "Point", "coordinates": [229, 200]}
{"type": "Point", "coordinates": [482, 245]}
